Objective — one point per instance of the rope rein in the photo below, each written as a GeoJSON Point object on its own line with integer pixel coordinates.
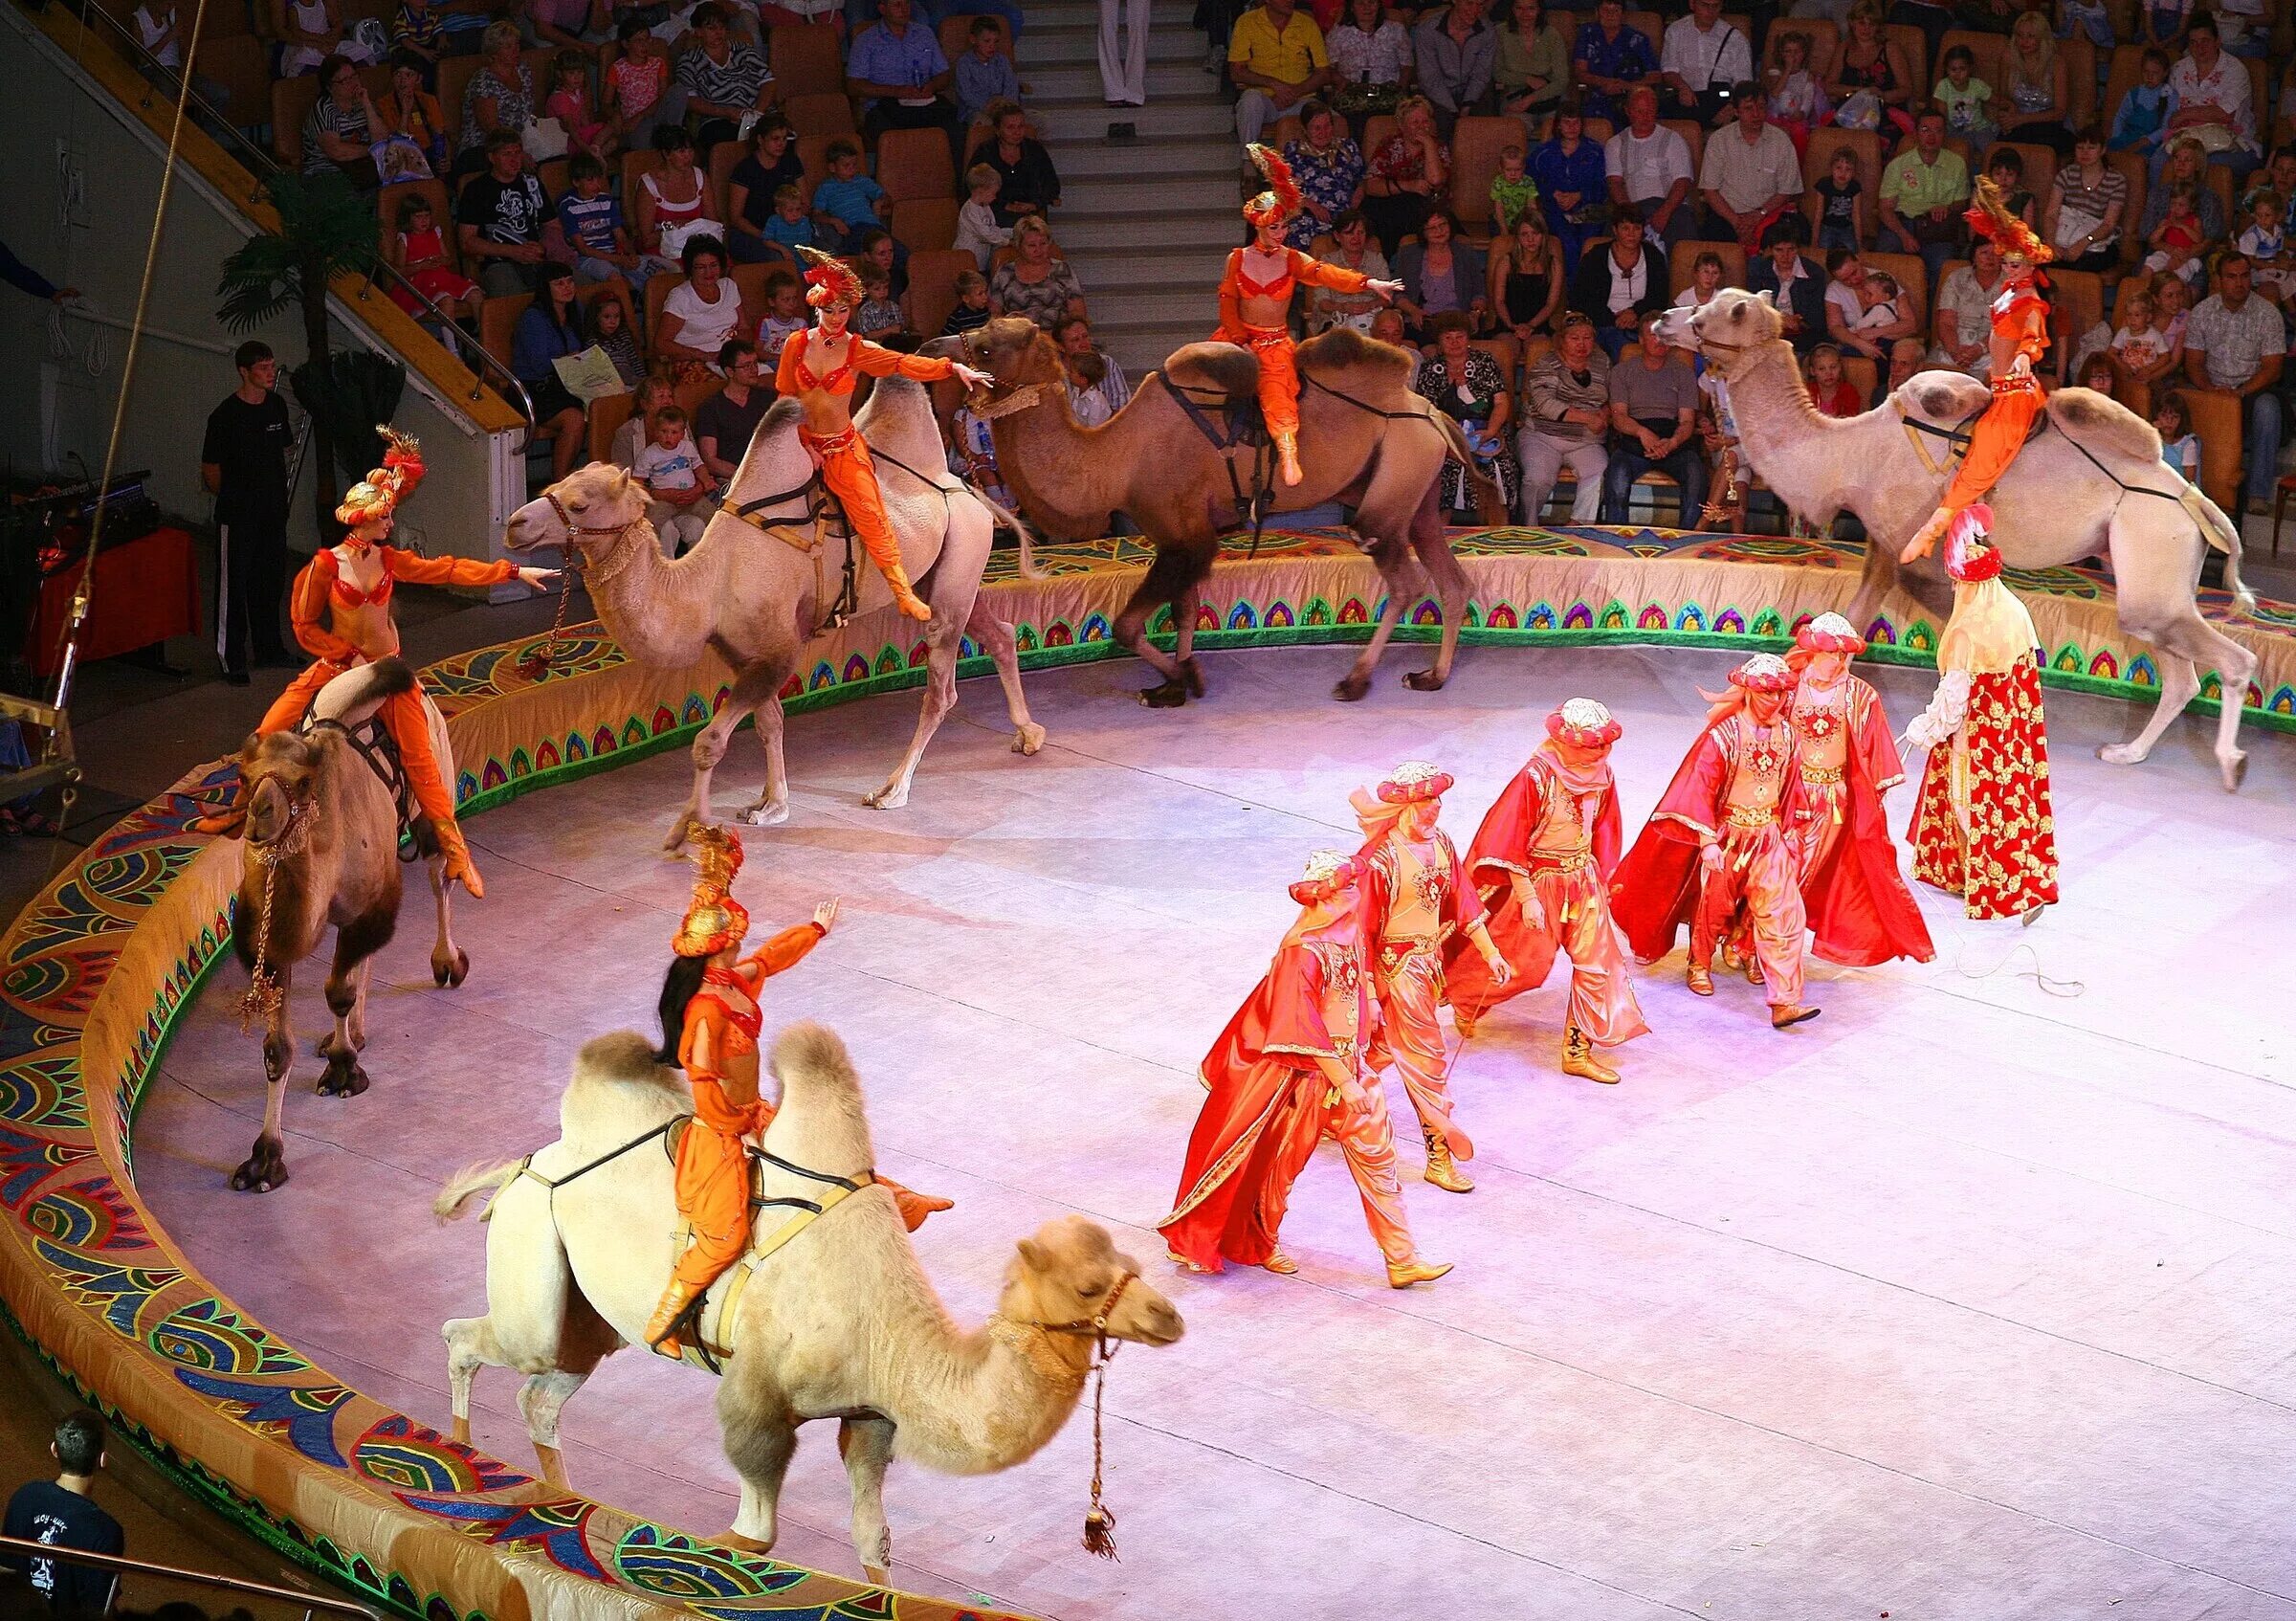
{"type": "Point", "coordinates": [1099, 1520]}
{"type": "Point", "coordinates": [263, 994]}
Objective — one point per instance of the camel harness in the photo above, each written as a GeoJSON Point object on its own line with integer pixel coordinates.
{"type": "Point", "coordinates": [809, 533]}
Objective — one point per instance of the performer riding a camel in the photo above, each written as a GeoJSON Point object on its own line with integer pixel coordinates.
{"type": "Point", "coordinates": [817, 368]}
{"type": "Point", "coordinates": [1543, 858]}
{"type": "Point", "coordinates": [2021, 333]}
{"type": "Point", "coordinates": [710, 1027]}
{"type": "Point", "coordinates": [1288, 1068]}
{"type": "Point", "coordinates": [1255, 301]}
{"type": "Point", "coordinates": [340, 611]}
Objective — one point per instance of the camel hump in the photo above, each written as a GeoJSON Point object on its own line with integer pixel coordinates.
{"type": "Point", "coordinates": [1371, 363]}
{"type": "Point", "coordinates": [1946, 398]}
{"type": "Point", "coordinates": [809, 1053]}
{"type": "Point", "coordinates": [619, 1054]}
{"type": "Point", "coordinates": [2104, 425]}
{"type": "Point", "coordinates": [1214, 367]}
{"type": "Point", "coordinates": [351, 698]}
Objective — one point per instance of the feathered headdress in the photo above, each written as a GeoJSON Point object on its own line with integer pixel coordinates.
{"type": "Point", "coordinates": [1329, 872]}
{"type": "Point", "coordinates": [1989, 217]}
{"type": "Point", "coordinates": [377, 495]}
{"type": "Point", "coordinates": [714, 919]}
{"type": "Point", "coordinates": [1584, 722]}
{"type": "Point", "coordinates": [830, 284]}
{"type": "Point", "coordinates": [1282, 198]}
{"type": "Point", "coordinates": [1968, 557]}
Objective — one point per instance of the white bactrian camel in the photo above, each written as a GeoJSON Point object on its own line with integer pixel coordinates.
{"type": "Point", "coordinates": [839, 1322]}
{"type": "Point", "coordinates": [758, 599]}
{"type": "Point", "coordinates": [2075, 491]}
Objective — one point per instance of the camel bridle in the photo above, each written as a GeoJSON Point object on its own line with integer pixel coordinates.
{"type": "Point", "coordinates": [1099, 1521]}
{"type": "Point", "coordinates": [577, 565]}
{"type": "Point", "coordinates": [262, 999]}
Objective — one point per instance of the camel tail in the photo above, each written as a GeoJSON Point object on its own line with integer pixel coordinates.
{"type": "Point", "coordinates": [1014, 522]}
{"type": "Point", "coordinates": [2221, 532]}
{"type": "Point", "coordinates": [1485, 488]}
{"type": "Point", "coordinates": [468, 1183]}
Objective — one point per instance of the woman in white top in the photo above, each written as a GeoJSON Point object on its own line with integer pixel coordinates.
{"type": "Point", "coordinates": [700, 315]}
{"type": "Point", "coordinates": [673, 198]}
{"type": "Point", "coordinates": [310, 30]}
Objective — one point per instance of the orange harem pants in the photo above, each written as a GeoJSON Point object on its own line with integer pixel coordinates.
{"type": "Point", "coordinates": [1409, 981]}
{"type": "Point", "coordinates": [403, 716]}
{"type": "Point", "coordinates": [1366, 1139]}
{"type": "Point", "coordinates": [1279, 378]}
{"type": "Point", "coordinates": [1758, 872]}
{"type": "Point", "coordinates": [1994, 442]}
{"type": "Point", "coordinates": [850, 474]}
{"type": "Point", "coordinates": [712, 1183]}
{"type": "Point", "coordinates": [1577, 906]}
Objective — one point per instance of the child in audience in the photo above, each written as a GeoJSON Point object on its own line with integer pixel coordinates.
{"type": "Point", "coordinates": [1797, 96]}
{"type": "Point", "coordinates": [1966, 100]}
{"type": "Point", "coordinates": [790, 225]}
{"type": "Point", "coordinates": [849, 202]}
{"type": "Point", "coordinates": [785, 316]}
{"type": "Point", "coordinates": [2176, 240]}
{"type": "Point", "coordinates": [2278, 177]}
{"type": "Point", "coordinates": [973, 453]}
{"type": "Point", "coordinates": [1829, 389]}
{"type": "Point", "coordinates": [1706, 280]}
{"type": "Point", "coordinates": [634, 84]}
{"type": "Point", "coordinates": [2096, 373]}
{"type": "Point", "coordinates": [418, 252]}
{"type": "Point", "coordinates": [2087, 18]}
{"type": "Point", "coordinates": [2171, 308]}
{"type": "Point", "coordinates": [984, 74]}
{"type": "Point", "coordinates": [1881, 305]}
{"type": "Point", "coordinates": [669, 468]}
{"type": "Point", "coordinates": [2142, 352]}
{"type": "Point", "coordinates": [1841, 203]}
{"type": "Point", "coordinates": [569, 102]}
{"type": "Point", "coordinates": [2173, 421]}
{"type": "Point", "coordinates": [972, 305]}
{"type": "Point", "coordinates": [978, 231]}
{"type": "Point", "coordinates": [609, 331]}
{"type": "Point", "coordinates": [878, 318]}
{"type": "Point", "coordinates": [2267, 244]}
{"type": "Point", "coordinates": [2007, 168]}
{"type": "Point", "coordinates": [2145, 107]}
{"type": "Point", "coordinates": [1512, 192]}
{"type": "Point", "coordinates": [591, 222]}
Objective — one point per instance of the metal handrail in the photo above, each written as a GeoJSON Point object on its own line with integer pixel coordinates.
{"type": "Point", "coordinates": [312, 1603]}
{"type": "Point", "coordinates": [262, 165]}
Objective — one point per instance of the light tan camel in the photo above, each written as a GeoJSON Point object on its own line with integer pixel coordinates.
{"type": "Point", "coordinates": [1365, 440]}
{"type": "Point", "coordinates": [839, 1322]}
{"type": "Point", "coordinates": [322, 848]}
{"type": "Point", "coordinates": [758, 599]}
{"type": "Point", "coordinates": [2093, 483]}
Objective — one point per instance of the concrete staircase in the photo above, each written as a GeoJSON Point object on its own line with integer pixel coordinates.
{"type": "Point", "coordinates": [1148, 225]}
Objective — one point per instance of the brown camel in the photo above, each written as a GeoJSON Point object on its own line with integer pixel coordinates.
{"type": "Point", "coordinates": [322, 848]}
{"type": "Point", "coordinates": [1366, 441]}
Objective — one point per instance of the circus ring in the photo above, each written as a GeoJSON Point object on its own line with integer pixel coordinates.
{"type": "Point", "coordinates": [2153, 1139]}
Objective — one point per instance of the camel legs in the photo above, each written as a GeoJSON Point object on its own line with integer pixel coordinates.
{"type": "Point", "coordinates": [757, 687]}
{"type": "Point", "coordinates": [943, 633]}
{"type": "Point", "coordinates": [2185, 644]}
{"type": "Point", "coordinates": [470, 1345]}
{"type": "Point", "coordinates": [266, 1168]}
{"type": "Point", "coordinates": [354, 945]}
{"type": "Point", "coordinates": [539, 1400]}
{"type": "Point", "coordinates": [994, 638]}
{"type": "Point", "coordinates": [867, 1446]}
{"type": "Point", "coordinates": [761, 1437]}
{"type": "Point", "coordinates": [1173, 579]}
{"type": "Point", "coordinates": [771, 806]}
{"type": "Point", "coordinates": [450, 963]}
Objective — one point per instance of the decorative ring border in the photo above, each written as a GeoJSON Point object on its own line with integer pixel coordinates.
{"type": "Point", "coordinates": [95, 973]}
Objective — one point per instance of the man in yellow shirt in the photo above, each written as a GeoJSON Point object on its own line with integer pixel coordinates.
{"type": "Point", "coordinates": [1275, 57]}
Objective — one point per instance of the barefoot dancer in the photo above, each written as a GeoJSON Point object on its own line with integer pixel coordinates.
{"type": "Point", "coordinates": [1255, 303]}
{"type": "Point", "coordinates": [710, 1025]}
{"type": "Point", "coordinates": [817, 368]}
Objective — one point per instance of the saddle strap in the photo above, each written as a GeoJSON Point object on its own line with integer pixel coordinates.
{"type": "Point", "coordinates": [719, 1319]}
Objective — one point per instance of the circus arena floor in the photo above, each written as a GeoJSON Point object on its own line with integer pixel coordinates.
{"type": "Point", "coordinates": [1968, 1301]}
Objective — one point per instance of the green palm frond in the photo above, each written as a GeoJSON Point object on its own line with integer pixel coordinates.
{"type": "Point", "coordinates": [325, 228]}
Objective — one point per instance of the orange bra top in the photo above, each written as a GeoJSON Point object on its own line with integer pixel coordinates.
{"type": "Point", "coordinates": [745, 1019]}
{"type": "Point", "coordinates": [1279, 288]}
{"type": "Point", "coordinates": [347, 595]}
{"type": "Point", "coordinates": [837, 382]}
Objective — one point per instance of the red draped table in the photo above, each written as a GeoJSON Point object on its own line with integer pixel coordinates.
{"type": "Point", "coordinates": [144, 592]}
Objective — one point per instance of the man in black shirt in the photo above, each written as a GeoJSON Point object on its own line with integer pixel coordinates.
{"type": "Point", "coordinates": [728, 419]}
{"type": "Point", "coordinates": [59, 1514]}
{"type": "Point", "coordinates": [244, 463]}
{"type": "Point", "coordinates": [499, 219]}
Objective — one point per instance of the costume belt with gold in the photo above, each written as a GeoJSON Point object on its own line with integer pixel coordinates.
{"type": "Point", "coordinates": [1824, 776]}
{"type": "Point", "coordinates": [1397, 949]}
{"type": "Point", "coordinates": [2015, 385]}
{"type": "Point", "coordinates": [1746, 818]}
{"type": "Point", "coordinates": [1561, 860]}
{"type": "Point", "coordinates": [827, 443]}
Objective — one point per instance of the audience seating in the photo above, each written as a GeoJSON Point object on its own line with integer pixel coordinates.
{"type": "Point", "coordinates": [1693, 133]}
{"type": "Point", "coordinates": [1861, 374]}
{"type": "Point", "coordinates": [1652, 25]}
{"type": "Point", "coordinates": [2080, 303]}
{"type": "Point", "coordinates": [925, 223]}
{"type": "Point", "coordinates": [719, 177]}
{"type": "Point", "coordinates": [914, 162]}
{"type": "Point", "coordinates": [1864, 146]}
{"type": "Point", "coordinates": [2218, 421]}
{"type": "Point", "coordinates": [820, 113]}
{"type": "Point", "coordinates": [606, 416]}
{"type": "Point", "coordinates": [690, 395]}
{"type": "Point", "coordinates": [813, 152]}
{"type": "Point", "coordinates": [807, 60]}
{"type": "Point", "coordinates": [1475, 146]}
{"type": "Point", "coordinates": [932, 294]}
{"type": "Point", "coordinates": [2130, 167]}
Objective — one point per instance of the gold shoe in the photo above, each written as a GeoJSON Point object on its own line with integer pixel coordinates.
{"type": "Point", "coordinates": [1415, 1271]}
{"type": "Point", "coordinates": [915, 1207]}
{"type": "Point", "coordinates": [1287, 457]}
{"type": "Point", "coordinates": [1443, 1170]}
{"type": "Point", "coordinates": [1790, 1014]}
{"type": "Point", "coordinates": [1701, 979]}
{"type": "Point", "coordinates": [1280, 1263]}
{"type": "Point", "coordinates": [1579, 1059]}
{"type": "Point", "coordinates": [904, 594]}
{"type": "Point", "coordinates": [1753, 970]}
{"type": "Point", "coordinates": [459, 868]}
{"type": "Point", "coordinates": [1184, 1263]}
{"type": "Point", "coordinates": [663, 1329]}
{"type": "Point", "coordinates": [1465, 1021]}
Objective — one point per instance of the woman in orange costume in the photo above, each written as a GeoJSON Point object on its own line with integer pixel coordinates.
{"type": "Point", "coordinates": [817, 368]}
{"type": "Point", "coordinates": [710, 1026]}
{"type": "Point", "coordinates": [341, 611]}
{"type": "Point", "coordinates": [1255, 303]}
{"type": "Point", "coordinates": [2021, 333]}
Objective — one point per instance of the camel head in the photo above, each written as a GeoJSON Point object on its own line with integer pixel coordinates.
{"type": "Point", "coordinates": [600, 501]}
{"type": "Point", "coordinates": [1014, 350]}
{"type": "Point", "coordinates": [1065, 1275]}
{"type": "Point", "coordinates": [1729, 330]}
{"type": "Point", "coordinates": [281, 773]}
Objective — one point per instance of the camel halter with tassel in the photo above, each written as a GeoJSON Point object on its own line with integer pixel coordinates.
{"type": "Point", "coordinates": [262, 996]}
{"type": "Point", "coordinates": [1099, 1521]}
{"type": "Point", "coordinates": [538, 663]}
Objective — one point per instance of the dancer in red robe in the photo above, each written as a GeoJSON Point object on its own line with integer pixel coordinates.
{"type": "Point", "coordinates": [1416, 897]}
{"type": "Point", "coordinates": [1715, 843]}
{"type": "Point", "coordinates": [1982, 824]}
{"type": "Point", "coordinates": [1288, 1068]}
{"type": "Point", "coordinates": [1543, 862]}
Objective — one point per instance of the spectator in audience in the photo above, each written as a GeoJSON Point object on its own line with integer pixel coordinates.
{"type": "Point", "coordinates": [2162, 22]}
{"type": "Point", "coordinates": [1841, 202]}
{"type": "Point", "coordinates": [896, 71]}
{"type": "Point", "coordinates": [1033, 282]}
{"type": "Point", "coordinates": [1463, 383]}
{"type": "Point", "coordinates": [1609, 59]}
{"type": "Point", "coordinates": [1701, 58]}
{"type": "Point", "coordinates": [1647, 168]}
{"type": "Point", "coordinates": [1525, 278]}
{"type": "Point", "coordinates": [978, 231]}
{"type": "Point", "coordinates": [407, 109]}
{"type": "Point", "coordinates": [500, 96]}
{"type": "Point", "coordinates": [2279, 177]}
{"type": "Point", "coordinates": [669, 468]}
{"type": "Point", "coordinates": [1440, 272]}
{"type": "Point", "coordinates": [2087, 201]}
{"type": "Point", "coordinates": [2177, 240]}
{"type": "Point", "coordinates": [636, 431]}
{"type": "Point", "coordinates": [341, 130]}
{"type": "Point", "coordinates": [1454, 53]}
{"type": "Point", "coordinates": [1387, 327]}
{"type": "Point", "coordinates": [611, 336]}
{"type": "Point", "coordinates": [970, 311]}
{"type": "Point", "coordinates": [569, 102]}
{"type": "Point", "coordinates": [2215, 103]}
{"type": "Point", "coordinates": [1406, 175]}
{"type": "Point", "coordinates": [847, 202]}
{"type": "Point", "coordinates": [984, 74]}
{"type": "Point", "coordinates": [2180, 448]}
{"type": "Point", "coordinates": [812, 13]}
{"type": "Point", "coordinates": [62, 1513]}
{"type": "Point", "coordinates": [1967, 100]}
{"type": "Point", "coordinates": [2265, 244]}
{"type": "Point", "coordinates": [418, 250]}
{"type": "Point", "coordinates": [2172, 311]}
{"type": "Point", "coordinates": [549, 329]}
{"type": "Point", "coordinates": [2005, 167]}
{"type": "Point", "coordinates": [2034, 99]}
{"type": "Point", "coordinates": [785, 316]}
{"type": "Point", "coordinates": [1328, 168]}
{"type": "Point", "coordinates": [1964, 311]}
{"type": "Point", "coordinates": [1275, 57]}
{"type": "Point", "coordinates": [1370, 54]}
{"type": "Point", "coordinates": [1869, 79]}
{"type": "Point", "coordinates": [1533, 66]}
{"type": "Point", "coordinates": [2188, 160]}
{"type": "Point", "coordinates": [791, 226]}
{"type": "Point", "coordinates": [674, 201]}
{"type": "Point", "coordinates": [973, 457]}
{"type": "Point", "coordinates": [701, 314]}
{"type": "Point", "coordinates": [2098, 375]}
{"type": "Point", "coordinates": [878, 318]}
{"type": "Point", "coordinates": [1706, 280]}
{"type": "Point", "coordinates": [2141, 122]}
{"type": "Point", "coordinates": [1027, 184]}
{"type": "Point", "coordinates": [1566, 414]}
{"type": "Point", "coordinates": [418, 30]}
{"type": "Point", "coordinates": [1751, 175]}
{"type": "Point", "coordinates": [1907, 357]}
{"type": "Point", "coordinates": [243, 463]}
{"type": "Point", "coordinates": [724, 79]}
{"type": "Point", "coordinates": [2235, 341]}
{"type": "Point", "coordinates": [1798, 285]}
{"type": "Point", "coordinates": [1844, 276]}
{"type": "Point", "coordinates": [1795, 92]}
{"type": "Point", "coordinates": [1924, 191]}
{"type": "Point", "coordinates": [1572, 188]}
{"type": "Point", "coordinates": [498, 218]}
{"type": "Point", "coordinates": [1934, 17]}
{"type": "Point", "coordinates": [1653, 424]}
{"type": "Point", "coordinates": [308, 30]}
{"type": "Point", "coordinates": [590, 221]}
{"type": "Point", "coordinates": [1352, 249]}
{"type": "Point", "coordinates": [1623, 285]}
{"type": "Point", "coordinates": [1096, 387]}
{"type": "Point", "coordinates": [159, 30]}
{"type": "Point", "coordinates": [1513, 193]}
{"type": "Point", "coordinates": [728, 419]}
{"type": "Point", "coordinates": [1830, 392]}
{"type": "Point", "coordinates": [571, 25]}
{"type": "Point", "coordinates": [878, 247]}
{"type": "Point", "coordinates": [2142, 354]}
{"type": "Point", "coordinates": [771, 163]}
{"type": "Point", "coordinates": [639, 94]}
